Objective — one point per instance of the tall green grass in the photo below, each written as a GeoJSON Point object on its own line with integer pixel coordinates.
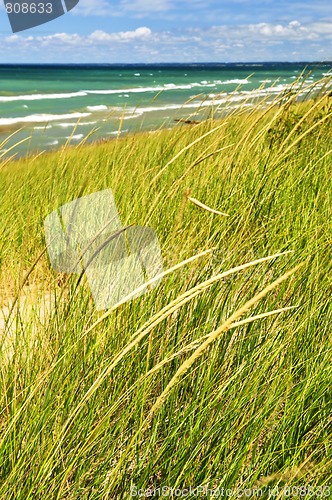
{"type": "Point", "coordinates": [221, 375]}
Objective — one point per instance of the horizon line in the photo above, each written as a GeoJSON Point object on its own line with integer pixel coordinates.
{"type": "Point", "coordinates": [197, 63]}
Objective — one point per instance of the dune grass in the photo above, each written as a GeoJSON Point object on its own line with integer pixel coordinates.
{"type": "Point", "coordinates": [220, 376]}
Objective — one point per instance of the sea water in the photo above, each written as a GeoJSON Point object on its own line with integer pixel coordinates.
{"type": "Point", "coordinates": [46, 106]}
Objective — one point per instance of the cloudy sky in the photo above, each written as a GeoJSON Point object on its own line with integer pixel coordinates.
{"type": "Point", "coordinates": [134, 31]}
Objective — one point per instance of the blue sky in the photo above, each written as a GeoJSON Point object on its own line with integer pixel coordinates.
{"type": "Point", "coordinates": [135, 31]}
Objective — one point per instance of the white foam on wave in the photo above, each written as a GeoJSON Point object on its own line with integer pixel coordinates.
{"type": "Point", "coordinates": [118, 132]}
{"type": "Point", "coordinates": [126, 91]}
{"type": "Point", "coordinates": [156, 88]}
{"type": "Point", "coordinates": [214, 100]}
{"type": "Point", "coordinates": [100, 107]}
{"type": "Point", "coordinates": [86, 123]}
{"type": "Point", "coordinates": [41, 118]}
{"type": "Point", "coordinates": [276, 89]}
{"type": "Point", "coordinates": [236, 81]}
{"type": "Point", "coordinates": [39, 97]}
{"type": "Point", "coordinates": [140, 111]}
{"type": "Point", "coordinates": [66, 125]}
{"type": "Point", "coordinates": [43, 128]}
{"type": "Point", "coordinates": [75, 124]}
{"type": "Point", "coordinates": [52, 143]}
{"type": "Point", "coordinates": [219, 95]}
{"type": "Point", "coordinates": [76, 137]}
{"type": "Point", "coordinates": [136, 90]}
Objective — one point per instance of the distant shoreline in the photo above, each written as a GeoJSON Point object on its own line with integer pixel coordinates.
{"type": "Point", "coordinates": [173, 64]}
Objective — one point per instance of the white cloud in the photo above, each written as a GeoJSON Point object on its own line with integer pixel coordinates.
{"type": "Point", "coordinates": [247, 42]}
{"type": "Point", "coordinates": [123, 36]}
{"type": "Point", "coordinates": [294, 29]}
{"type": "Point", "coordinates": [291, 31]}
{"type": "Point", "coordinates": [323, 28]}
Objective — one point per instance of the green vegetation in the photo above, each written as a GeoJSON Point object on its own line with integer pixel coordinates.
{"type": "Point", "coordinates": [176, 388]}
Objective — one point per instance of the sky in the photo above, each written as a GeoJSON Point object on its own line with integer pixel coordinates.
{"type": "Point", "coordinates": [157, 31]}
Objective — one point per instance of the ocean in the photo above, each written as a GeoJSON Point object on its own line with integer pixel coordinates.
{"type": "Point", "coordinates": [46, 106]}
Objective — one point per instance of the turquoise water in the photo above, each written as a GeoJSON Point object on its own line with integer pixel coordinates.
{"type": "Point", "coordinates": [54, 103]}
